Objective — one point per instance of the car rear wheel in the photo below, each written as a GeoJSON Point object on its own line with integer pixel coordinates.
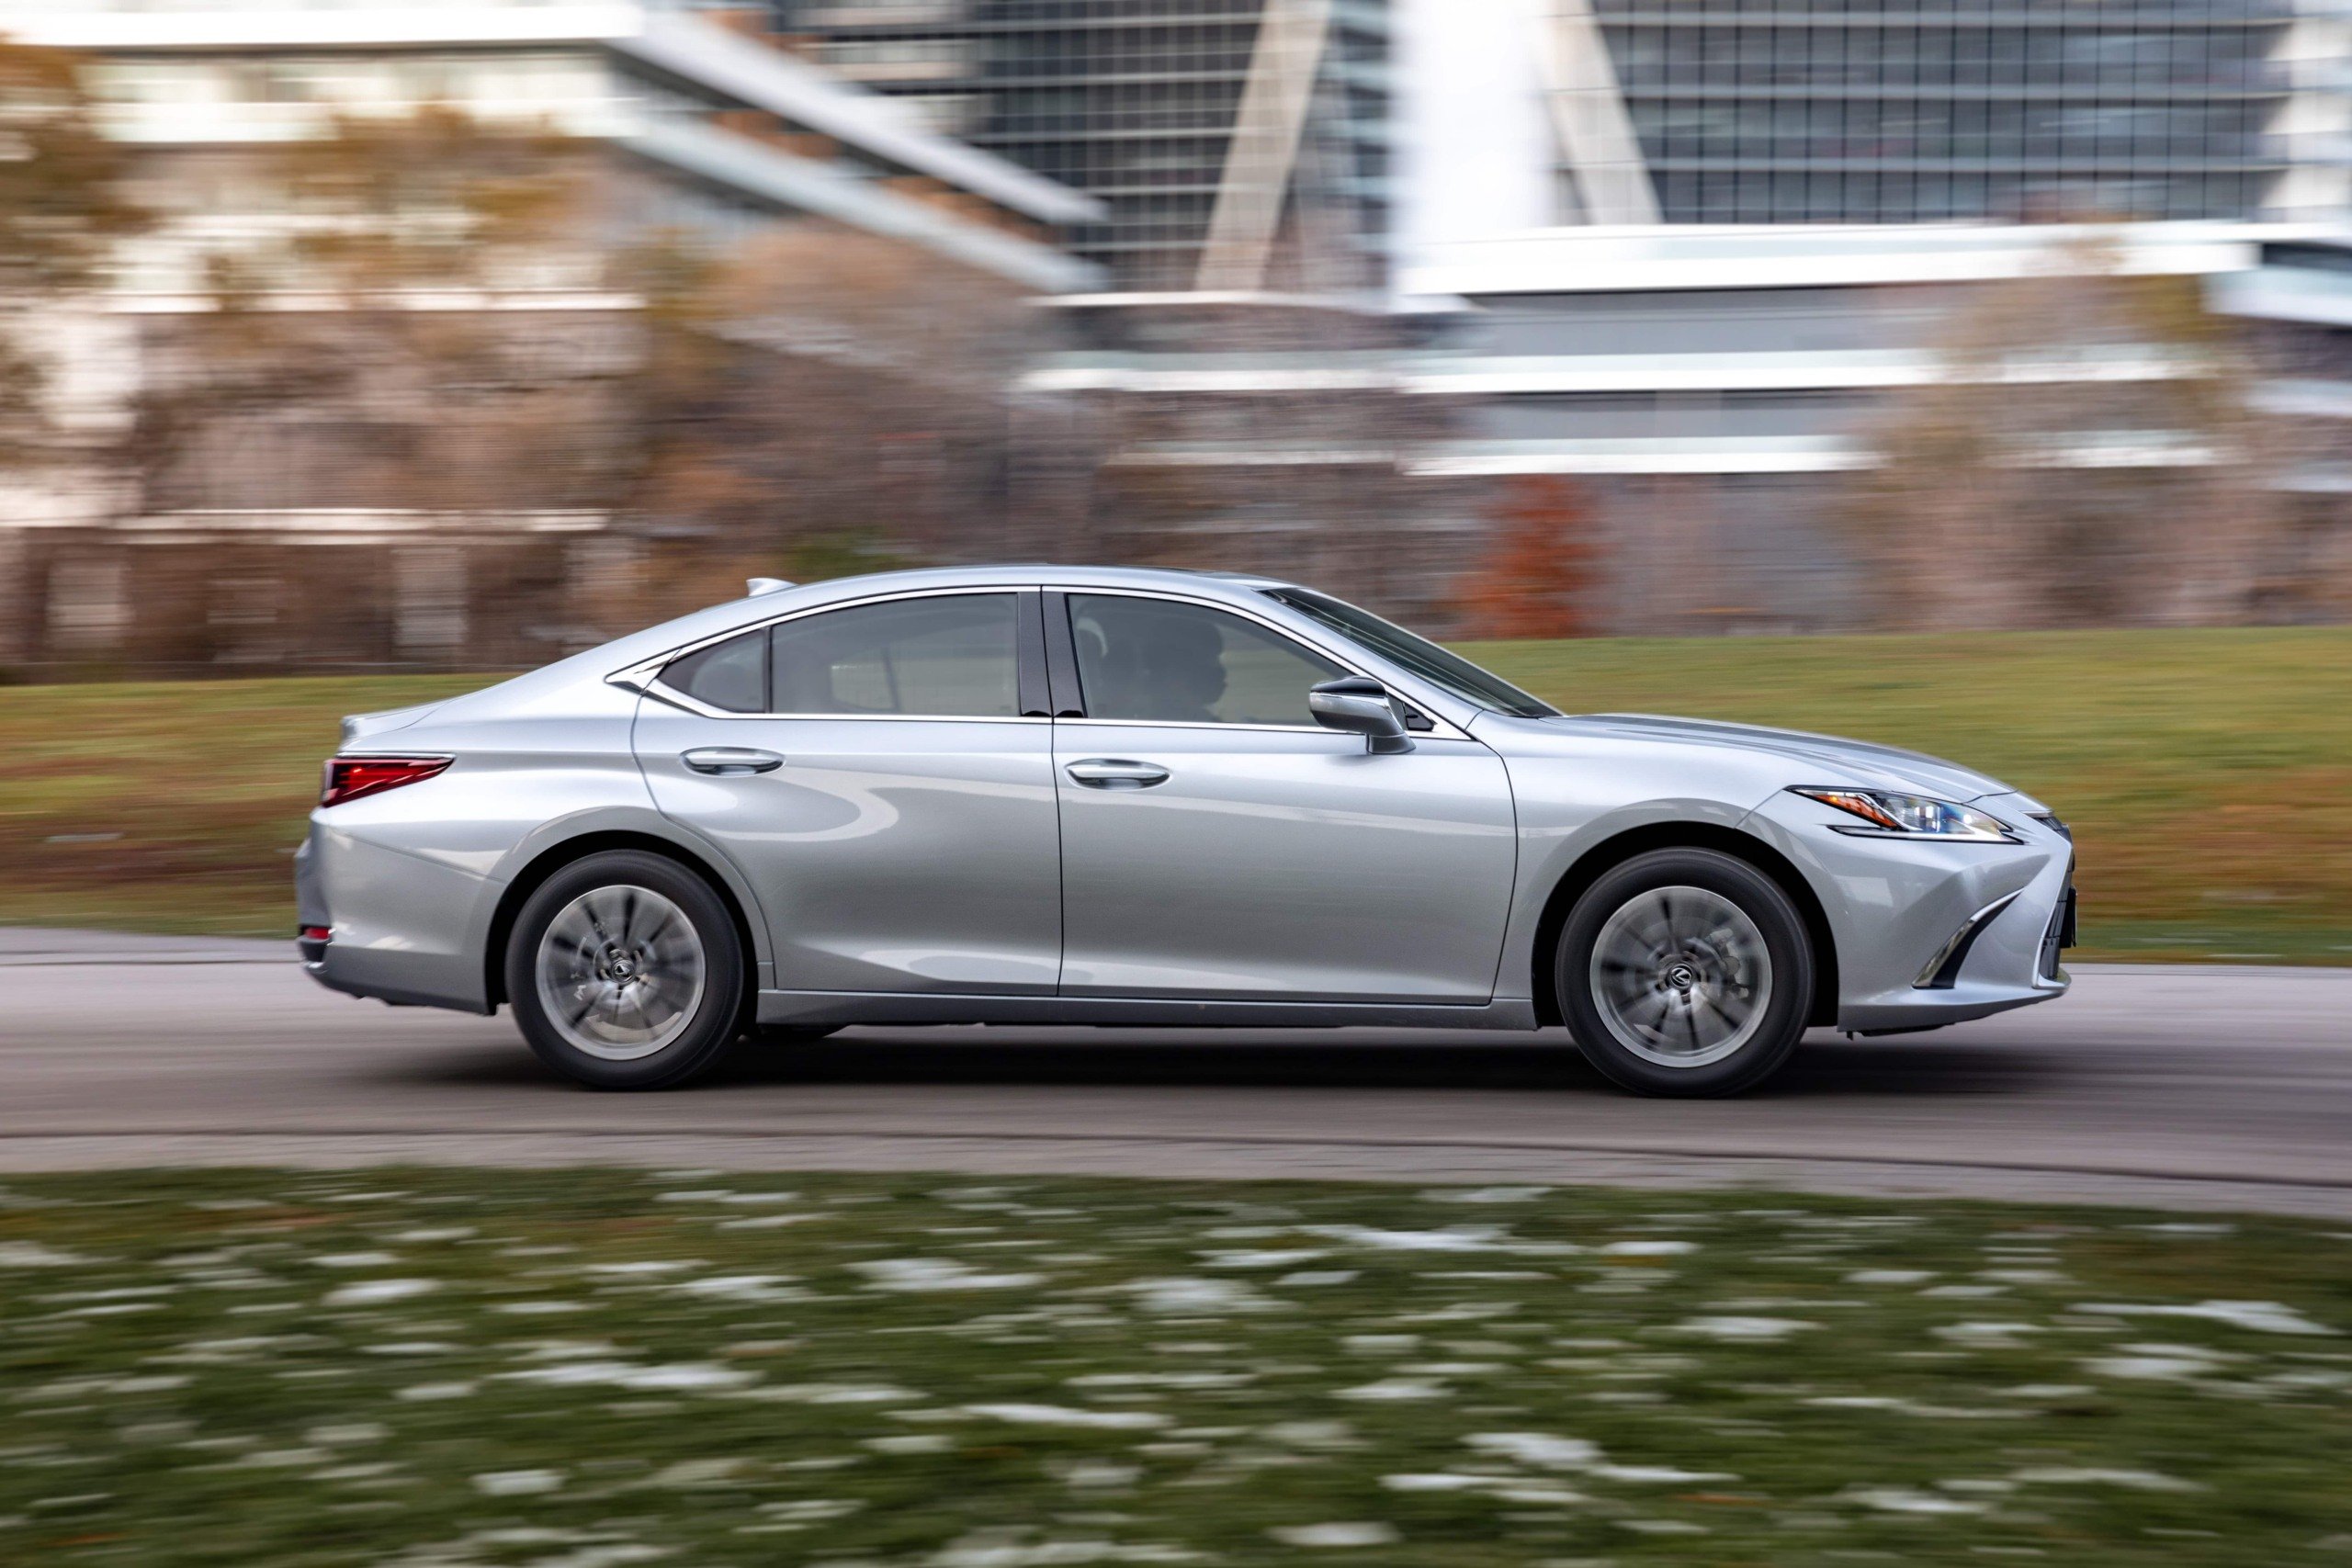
{"type": "Point", "coordinates": [625, 972]}
{"type": "Point", "coordinates": [1685, 972]}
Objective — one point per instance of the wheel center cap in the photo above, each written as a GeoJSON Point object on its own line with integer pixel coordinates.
{"type": "Point", "coordinates": [623, 966]}
{"type": "Point", "coordinates": [1681, 976]}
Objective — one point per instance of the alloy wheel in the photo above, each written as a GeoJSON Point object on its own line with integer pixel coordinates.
{"type": "Point", "coordinates": [620, 972]}
{"type": "Point", "coordinates": [1681, 976]}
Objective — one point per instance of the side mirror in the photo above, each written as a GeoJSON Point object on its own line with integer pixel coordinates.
{"type": "Point", "coordinates": [1360, 706]}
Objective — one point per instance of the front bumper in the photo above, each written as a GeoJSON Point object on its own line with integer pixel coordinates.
{"type": "Point", "coordinates": [1895, 906]}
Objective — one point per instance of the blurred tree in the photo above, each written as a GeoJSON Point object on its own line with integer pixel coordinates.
{"type": "Point", "coordinates": [1538, 568]}
{"type": "Point", "coordinates": [64, 204]}
{"type": "Point", "coordinates": [444, 320]}
{"type": "Point", "coordinates": [62, 201]}
{"type": "Point", "coordinates": [816, 400]}
{"type": "Point", "coordinates": [2084, 455]}
{"type": "Point", "coordinates": [404, 321]}
{"type": "Point", "coordinates": [405, 318]}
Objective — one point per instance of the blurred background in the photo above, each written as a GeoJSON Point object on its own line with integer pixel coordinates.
{"type": "Point", "coordinates": [401, 344]}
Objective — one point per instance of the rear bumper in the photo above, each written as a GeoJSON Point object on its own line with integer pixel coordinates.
{"type": "Point", "coordinates": [400, 926]}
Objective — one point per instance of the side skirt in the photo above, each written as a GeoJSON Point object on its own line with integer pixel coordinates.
{"type": "Point", "coordinates": [1132, 1012]}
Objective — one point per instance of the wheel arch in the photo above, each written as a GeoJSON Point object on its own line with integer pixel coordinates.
{"type": "Point", "coordinates": [1614, 851]}
{"type": "Point", "coordinates": [555, 857]}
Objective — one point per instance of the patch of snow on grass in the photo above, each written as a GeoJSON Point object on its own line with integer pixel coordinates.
{"type": "Point", "coordinates": [1063, 1416]}
{"type": "Point", "coordinates": [376, 1292]}
{"type": "Point", "coordinates": [1448, 1238]}
{"type": "Point", "coordinates": [1181, 1294]}
{"type": "Point", "coordinates": [675, 1376]}
{"type": "Point", "coordinates": [1908, 1500]}
{"type": "Point", "coordinates": [1744, 1330]}
{"type": "Point", "coordinates": [1396, 1390]}
{"type": "Point", "coordinates": [1484, 1194]}
{"type": "Point", "coordinates": [937, 1274]}
{"type": "Point", "coordinates": [1539, 1449]}
{"type": "Point", "coordinates": [33, 1255]}
{"type": "Point", "coordinates": [739, 1287]}
{"type": "Point", "coordinates": [1335, 1534]}
{"type": "Point", "coordinates": [2263, 1317]}
{"type": "Point", "coordinates": [1263, 1257]}
{"type": "Point", "coordinates": [2133, 1480]}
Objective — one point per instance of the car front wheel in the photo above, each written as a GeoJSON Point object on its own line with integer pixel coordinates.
{"type": "Point", "coordinates": [1685, 972]}
{"type": "Point", "coordinates": [625, 972]}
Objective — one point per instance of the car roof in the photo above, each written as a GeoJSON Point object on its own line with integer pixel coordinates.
{"type": "Point", "coordinates": [1023, 574]}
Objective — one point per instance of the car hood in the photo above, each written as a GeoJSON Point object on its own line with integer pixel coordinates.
{"type": "Point", "coordinates": [1834, 759]}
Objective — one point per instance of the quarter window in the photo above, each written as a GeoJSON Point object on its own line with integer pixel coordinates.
{"type": "Point", "coordinates": [950, 657]}
{"type": "Point", "coordinates": [1164, 661]}
{"type": "Point", "coordinates": [731, 675]}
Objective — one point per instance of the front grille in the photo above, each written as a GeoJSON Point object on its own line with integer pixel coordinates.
{"type": "Point", "coordinates": [2050, 820]}
{"type": "Point", "coordinates": [2059, 935]}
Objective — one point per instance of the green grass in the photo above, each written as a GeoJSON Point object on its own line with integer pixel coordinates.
{"type": "Point", "coordinates": [170, 806]}
{"type": "Point", "coordinates": [603, 1368]}
{"type": "Point", "coordinates": [2208, 773]}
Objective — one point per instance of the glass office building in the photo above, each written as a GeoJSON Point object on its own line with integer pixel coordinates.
{"type": "Point", "coordinates": [1838, 111]}
{"type": "Point", "coordinates": [1238, 143]}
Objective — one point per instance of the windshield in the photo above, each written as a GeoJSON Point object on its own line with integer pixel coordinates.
{"type": "Point", "coordinates": [1418, 654]}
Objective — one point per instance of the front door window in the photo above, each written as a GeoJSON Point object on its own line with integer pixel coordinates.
{"type": "Point", "coordinates": [1164, 661]}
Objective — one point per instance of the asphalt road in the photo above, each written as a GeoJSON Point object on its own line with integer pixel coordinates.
{"type": "Point", "coordinates": [2178, 1087]}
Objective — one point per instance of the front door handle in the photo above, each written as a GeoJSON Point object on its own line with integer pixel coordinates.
{"type": "Point", "coordinates": [1117, 772]}
{"type": "Point", "coordinates": [730, 759]}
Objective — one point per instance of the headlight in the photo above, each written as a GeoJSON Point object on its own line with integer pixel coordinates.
{"type": "Point", "coordinates": [1893, 815]}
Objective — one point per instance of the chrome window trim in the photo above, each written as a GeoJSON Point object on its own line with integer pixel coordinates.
{"type": "Point", "coordinates": [644, 677]}
{"type": "Point", "coordinates": [1213, 724]}
{"type": "Point", "coordinates": [1446, 729]}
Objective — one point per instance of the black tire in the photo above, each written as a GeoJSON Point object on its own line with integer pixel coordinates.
{"type": "Point", "coordinates": [712, 1020]}
{"type": "Point", "coordinates": [1705, 965]}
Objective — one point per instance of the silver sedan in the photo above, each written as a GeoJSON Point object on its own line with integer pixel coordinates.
{"type": "Point", "coordinates": [1049, 796]}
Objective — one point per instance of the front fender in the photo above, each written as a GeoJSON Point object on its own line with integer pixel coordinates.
{"type": "Point", "coordinates": [1557, 832]}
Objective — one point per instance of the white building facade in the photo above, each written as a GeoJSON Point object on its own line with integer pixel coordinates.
{"type": "Point", "coordinates": [694, 125]}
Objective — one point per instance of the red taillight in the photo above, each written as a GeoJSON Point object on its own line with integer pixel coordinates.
{"type": "Point", "coordinates": [316, 933]}
{"type": "Point", "coordinates": [348, 778]}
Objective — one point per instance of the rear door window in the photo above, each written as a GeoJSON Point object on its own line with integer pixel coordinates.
{"type": "Point", "coordinates": [946, 656]}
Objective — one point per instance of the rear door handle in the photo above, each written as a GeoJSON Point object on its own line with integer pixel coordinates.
{"type": "Point", "coordinates": [1117, 772]}
{"type": "Point", "coordinates": [730, 759]}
